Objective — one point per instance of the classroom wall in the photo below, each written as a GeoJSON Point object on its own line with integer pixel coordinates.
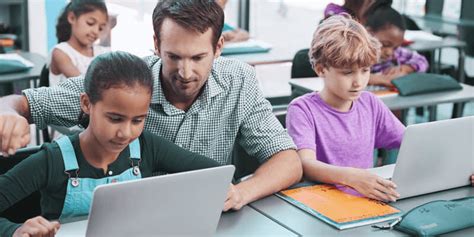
{"type": "Point", "coordinates": [37, 27]}
{"type": "Point", "coordinates": [42, 17]}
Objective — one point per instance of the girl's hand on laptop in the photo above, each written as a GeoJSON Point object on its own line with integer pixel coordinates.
{"type": "Point", "coordinates": [37, 226]}
{"type": "Point", "coordinates": [373, 186]}
{"type": "Point", "coordinates": [234, 199]}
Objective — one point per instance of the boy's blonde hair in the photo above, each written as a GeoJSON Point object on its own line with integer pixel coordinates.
{"type": "Point", "coordinates": [342, 42]}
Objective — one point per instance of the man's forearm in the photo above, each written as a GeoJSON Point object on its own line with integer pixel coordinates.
{"type": "Point", "coordinates": [15, 104]}
{"type": "Point", "coordinates": [280, 171]}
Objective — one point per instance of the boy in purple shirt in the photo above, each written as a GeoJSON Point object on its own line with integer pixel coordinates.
{"type": "Point", "coordinates": [388, 26]}
{"type": "Point", "coordinates": [337, 129]}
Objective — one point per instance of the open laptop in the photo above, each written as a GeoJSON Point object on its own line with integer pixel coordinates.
{"type": "Point", "coordinates": [187, 203]}
{"type": "Point", "coordinates": [433, 156]}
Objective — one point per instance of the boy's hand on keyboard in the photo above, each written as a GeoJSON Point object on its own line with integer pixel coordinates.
{"type": "Point", "coordinates": [373, 186]}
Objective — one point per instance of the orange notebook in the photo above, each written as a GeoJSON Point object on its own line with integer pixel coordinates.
{"type": "Point", "coordinates": [337, 208]}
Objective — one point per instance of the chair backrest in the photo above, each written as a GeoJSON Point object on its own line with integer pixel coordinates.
{"type": "Point", "coordinates": [30, 206]}
{"type": "Point", "coordinates": [301, 66]}
{"type": "Point", "coordinates": [466, 34]}
{"type": "Point", "coordinates": [434, 7]}
{"type": "Point", "coordinates": [44, 76]}
{"type": "Point", "coordinates": [243, 162]}
{"type": "Point", "coordinates": [467, 10]}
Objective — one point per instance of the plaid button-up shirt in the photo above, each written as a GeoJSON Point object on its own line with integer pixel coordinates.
{"type": "Point", "coordinates": [230, 109]}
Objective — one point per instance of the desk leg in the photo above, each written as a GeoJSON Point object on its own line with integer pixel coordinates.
{"type": "Point", "coordinates": [432, 110]}
{"type": "Point", "coordinates": [459, 107]}
{"type": "Point", "coordinates": [403, 116]}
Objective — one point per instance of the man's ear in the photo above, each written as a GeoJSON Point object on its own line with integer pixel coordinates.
{"type": "Point", "coordinates": [85, 103]}
{"type": "Point", "coordinates": [319, 69]}
{"type": "Point", "coordinates": [219, 47]}
{"type": "Point", "coordinates": [157, 46]}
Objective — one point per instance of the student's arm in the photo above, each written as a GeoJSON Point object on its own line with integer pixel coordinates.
{"type": "Point", "coordinates": [366, 183]}
{"type": "Point", "coordinates": [236, 35]}
{"type": "Point", "coordinates": [171, 158]}
{"type": "Point", "coordinates": [381, 79]}
{"type": "Point", "coordinates": [61, 64]}
{"type": "Point", "coordinates": [58, 105]}
{"type": "Point", "coordinates": [28, 176]}
{"type": "Point", "coordinates": [412, 59]}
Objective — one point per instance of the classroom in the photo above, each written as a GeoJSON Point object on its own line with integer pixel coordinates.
{"type": "Point", "coordinates": [236, 117]}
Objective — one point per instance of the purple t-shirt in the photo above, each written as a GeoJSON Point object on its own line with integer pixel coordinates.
{"type": "Point", "coordinates": [344, 139]}
{"type": "Point", "coordinates": [402, 56]}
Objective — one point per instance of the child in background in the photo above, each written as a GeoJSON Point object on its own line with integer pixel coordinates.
{"type": "Point", "coordinates": [112, 148]}
{"type": "Point", "coordinates": [78, 27]}
{"type": "Point", "coordinates": [355, 8]}
{"type": "Point", "coordinates": [337, 129]}
{"type": "Point", "coordinates": [388, 26]}
{"type": "Point", "coordinates": [230, 33]}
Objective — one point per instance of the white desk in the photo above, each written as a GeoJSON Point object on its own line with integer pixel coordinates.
{"type": "Point", "coordinates": [308, 225]}
{"type": "Point", "coordinates": [246, 222]}
{"type": "Point", "coordinates": [394, 102]}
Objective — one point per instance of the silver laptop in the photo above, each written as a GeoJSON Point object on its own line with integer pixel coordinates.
{"type": "Point", "coordinates": [433, 156]}
{"type": "Point", "coordinates": [185, 204]}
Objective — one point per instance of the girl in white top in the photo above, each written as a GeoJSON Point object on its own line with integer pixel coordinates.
{"type": "Point", "coordinates": [77, 29]}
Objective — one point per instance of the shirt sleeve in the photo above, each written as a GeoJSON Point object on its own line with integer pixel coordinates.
{"type": "Point", "coordinates": [57, 105]}
{"type": "Point", "coordinates": [389, 129]}
{"type": "Point", "coordinates": [260, 133]}
{"type": "Point", "coordinates": [28, 176]}
{"type": "Point", "coordinates": [301, 127]}
{"type": "Point", "coordinates": [170, 158]}
{"type": "Point", "coordinates": [415, 60]}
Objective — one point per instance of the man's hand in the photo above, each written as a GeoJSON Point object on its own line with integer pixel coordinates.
{"type": "Point", "coordinates": [234, 199]}
{"type": "Point", "coordinates": [37, 227]}
{"type": "Point", "coordinates": [14, 132]}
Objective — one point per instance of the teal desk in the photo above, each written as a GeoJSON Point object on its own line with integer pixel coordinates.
{"type": "Point", "coordinates": [275, 55]}
{"type": "Point", "coordinates": [8, 81]}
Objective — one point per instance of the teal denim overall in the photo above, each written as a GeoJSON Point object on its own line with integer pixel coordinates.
{"type": "Point", "coordinates": [80, 190]}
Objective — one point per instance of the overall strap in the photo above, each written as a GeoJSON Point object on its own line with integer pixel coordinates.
{"type": "Point", "coordinates": [134, 148]}
{"type": "Point", "coordinates": [68, 154]}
